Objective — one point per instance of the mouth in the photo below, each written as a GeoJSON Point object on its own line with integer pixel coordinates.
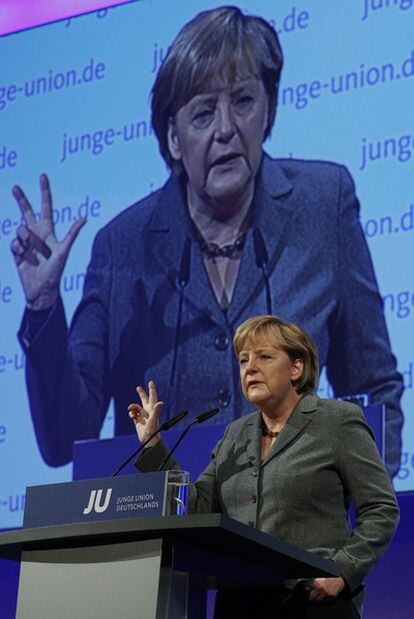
{"type": "Point", "coordinates": [228, 159]}
{"type": "Point", "coordinates": [253, 383]}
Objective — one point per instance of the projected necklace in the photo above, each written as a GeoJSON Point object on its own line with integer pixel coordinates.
{"type": "Point", "coordinates": [214, 250]}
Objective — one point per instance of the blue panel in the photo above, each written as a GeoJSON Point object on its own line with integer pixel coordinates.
{"type": "Point", "coordinates": [109, 498]}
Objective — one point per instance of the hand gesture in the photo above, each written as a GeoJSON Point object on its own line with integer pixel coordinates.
{"type": "Point", "coordinates": [325, 588]}
{"type": "Point", "coordinates": [146, 415]}
{"type": "Point", "coordinates": [39, 256]}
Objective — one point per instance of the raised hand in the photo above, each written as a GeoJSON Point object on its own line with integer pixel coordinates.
{"type": "Point", "coordinates": [146, 415]}
{"type": "Point", "coordinates": [39, 256]}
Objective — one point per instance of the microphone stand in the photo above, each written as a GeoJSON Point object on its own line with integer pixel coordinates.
{"type": "Point", "coordinates": [165, 426]}
{"type": "Point", "coordinates": [200, 419]}
{"type": "Point", "coordinates": [262, 261]}
{"type": "Point", "coordinates": [182, 281]}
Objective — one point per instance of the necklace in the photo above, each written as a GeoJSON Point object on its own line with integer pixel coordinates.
{"type": "Point", "coordinates": [213, 250]}
{"type": "Point", "coordinates": [267, 432]}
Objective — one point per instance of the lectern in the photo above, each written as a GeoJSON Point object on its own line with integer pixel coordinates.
{"type": "Point", "coordinates": [146, 568]}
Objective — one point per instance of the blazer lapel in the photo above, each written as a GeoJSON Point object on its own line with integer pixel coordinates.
{"type": "Point", "coordinates": [169, 228]}
{"type": "Point", "coordinates": [295, 425]}
{"type": "Point", "coordinates": [253, 438]}
{"type": "Point", "coordinates": [272, 212]}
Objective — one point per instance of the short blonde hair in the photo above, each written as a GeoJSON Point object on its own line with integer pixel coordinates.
{"type": "Point", "coordinates": [290, 338]}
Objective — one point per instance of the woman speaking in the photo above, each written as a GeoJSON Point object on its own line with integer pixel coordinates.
{"type": "Point", "coordinates": [291, 469]}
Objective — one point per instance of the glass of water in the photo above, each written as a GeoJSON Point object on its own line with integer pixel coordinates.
{"type": "Point", "coordinates": [177, 493]}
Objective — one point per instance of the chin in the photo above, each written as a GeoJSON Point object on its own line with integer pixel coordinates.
{"type": "Point", "coordinates": [228, 193]}
{"type": "Point", "coordinates": [226, 186]}
{"type": "Point", "coordinates": [255, 399]}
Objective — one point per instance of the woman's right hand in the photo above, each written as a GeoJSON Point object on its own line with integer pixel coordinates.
{"type": "Point", "coordinates": [40, 257]}
{"type": "Point", "coordinates": [146, 416]}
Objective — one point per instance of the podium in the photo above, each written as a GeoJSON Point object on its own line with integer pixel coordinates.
{"type": "Point", "coordinates": [146, 568]}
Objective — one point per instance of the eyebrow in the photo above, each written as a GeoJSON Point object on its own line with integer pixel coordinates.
{"type": "Point", "coordinates": [203, 98]}
{"type": "Point", "coordinates": [238, 87]}
{"type": "Point", "coordinates": [241, 87]}
{"type": "Point", "coordinates": [256, 350]}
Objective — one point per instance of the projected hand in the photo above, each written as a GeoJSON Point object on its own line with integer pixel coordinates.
{"type": "Point", "coordinates": [40, 257]}
{"type": "Point", "coordinates": [146, 415]}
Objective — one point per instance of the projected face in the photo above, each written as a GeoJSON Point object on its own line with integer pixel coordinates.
{"type": "Point", "coordinates": [218, 138]}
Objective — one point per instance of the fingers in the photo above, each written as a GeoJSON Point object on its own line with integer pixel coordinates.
{"type": "Point", "coordinates": [137, 414]}
{"type": "Point", "coordinates": [46, 198]}
{"type": "Point", "coordinates": [325, 589]}
{"type": "Point", "coordinates": [24, 206]}
{"type": "Point", "coordinates": [27, 245]}
{"type": "Point", "coordinates": [18, 250]}
{"type": "Point", "coordinates": [149, 403]}
{"type": "Point", "coordinates": [143, 396]}
{"type": "Point", "coordinates": [318, 593]}
{"type": "Point", "coordinates": [74, 230]}
{"type": "Point", "coordinates": [31, 241]}
{"type": "Point", "coordinates": [158, 407]}
{"type": "Point", "coordinates": [152, 393]}
{"type": "Point", "coordinates": [22, 250]}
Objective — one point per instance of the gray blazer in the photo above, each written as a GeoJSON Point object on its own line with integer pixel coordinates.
{"type": "Point", "coordinates": [324, 457]}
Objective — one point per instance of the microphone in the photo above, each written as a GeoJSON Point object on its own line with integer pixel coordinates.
{"type": "Point", "coordinates": [204, 416]}
{"type": "Point", "coordinates": [182, 280]}
{"type": "Point", "coordinates": [260, 249]}
{"type": "Point", "coordinates": [184, 272]}
{"type": "Point", "coordinates": [164, 426]}
{"type": "Point", "coordinates": [199, 419]}
{"type": "Point", "coordinates": [262, 261]}
{"type": "Point", "coordinates": [171, 422]}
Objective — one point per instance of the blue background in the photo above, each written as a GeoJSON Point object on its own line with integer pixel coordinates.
{"type": "Point", "coordinates": [94, 73]}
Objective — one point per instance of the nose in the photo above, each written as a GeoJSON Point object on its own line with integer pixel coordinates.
{"type": "Point", "coordinates": [225, 127]}
{"type": "Point", "coordinates": [249, 366]}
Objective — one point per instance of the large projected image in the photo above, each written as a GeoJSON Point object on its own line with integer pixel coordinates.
{"type": "Point", "coordinates": [243, 179]}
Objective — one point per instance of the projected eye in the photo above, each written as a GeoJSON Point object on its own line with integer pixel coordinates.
{"type": "Point", "coordinates": [243, 103]}
{"type": "Point", "coordinates": [202, 118]}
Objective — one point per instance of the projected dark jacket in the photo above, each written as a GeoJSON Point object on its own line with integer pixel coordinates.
{"type": "Point", "coordinates": [123, 332]}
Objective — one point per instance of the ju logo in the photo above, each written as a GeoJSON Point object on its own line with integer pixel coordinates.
{"type": "Point", "coordinates": [95, 502]}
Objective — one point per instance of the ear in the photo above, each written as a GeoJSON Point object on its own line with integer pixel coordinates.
{"type": "Point", "coordinates": [296, 370]}
{"type": "Point", "coordinates": [173, 141]}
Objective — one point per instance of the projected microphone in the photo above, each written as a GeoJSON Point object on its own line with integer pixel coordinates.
{"type": "Point", "coordinates": [199, 419]}
{"type": "Point", "coordinates": [262, 261]}
{"type": "Point", "coordinates": [182, 281]}
{"type": "Point", "coordinates": [164, 426]}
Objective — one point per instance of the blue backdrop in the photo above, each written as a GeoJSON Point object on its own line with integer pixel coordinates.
{"type": "Point", "coordinates": [74, 102]}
